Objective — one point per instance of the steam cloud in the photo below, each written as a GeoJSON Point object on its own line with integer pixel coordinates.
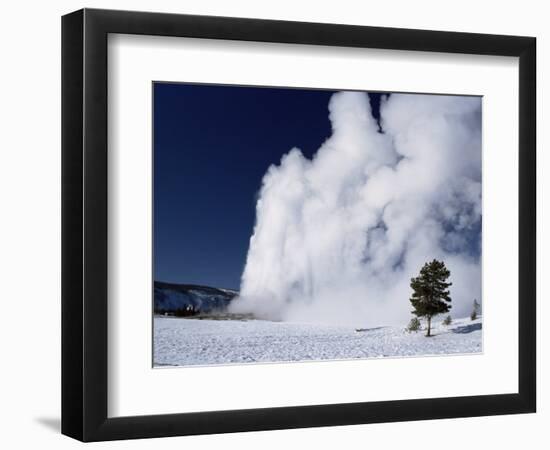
{"type": "Point", "coordinates": [338, 238]}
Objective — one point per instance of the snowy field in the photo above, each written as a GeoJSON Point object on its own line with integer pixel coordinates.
{"type": "Point", "coordinates": [184, 341]}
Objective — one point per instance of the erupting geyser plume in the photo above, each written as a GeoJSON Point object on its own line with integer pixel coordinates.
{"type": "Point", "coordinates": [338, 238]}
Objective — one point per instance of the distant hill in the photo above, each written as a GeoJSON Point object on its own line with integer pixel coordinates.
{"type": "Point", "coordinates": [190, 299]}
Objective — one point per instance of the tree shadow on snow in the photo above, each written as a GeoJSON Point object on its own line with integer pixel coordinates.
{"type": "Point", "coordinates": [467, 328]}
{"type": "Point", "coordinates": [359, 330]}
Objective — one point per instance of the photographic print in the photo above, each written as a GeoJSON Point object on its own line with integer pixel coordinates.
{"type": "Point", "coordinates": [308, 224]}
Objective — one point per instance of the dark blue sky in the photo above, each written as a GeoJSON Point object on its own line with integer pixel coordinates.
{"type": "Point", "coordinates": [212, 146]}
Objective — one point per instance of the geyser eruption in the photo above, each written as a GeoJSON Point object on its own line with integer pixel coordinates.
{"type": "Point", "coordinates": [338, 238]}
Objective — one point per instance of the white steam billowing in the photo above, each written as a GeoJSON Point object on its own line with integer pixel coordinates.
{"type": "Point", "coordinates": [338, 238]}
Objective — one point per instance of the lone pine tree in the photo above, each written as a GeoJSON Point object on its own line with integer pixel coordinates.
{"type": "Point", "coordinates": [475, 310]}
{"type": "Point", "coordinates": [430, 291]}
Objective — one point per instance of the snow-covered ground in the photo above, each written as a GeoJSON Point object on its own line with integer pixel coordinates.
{"type": "Point", "coordinates": [184, 341]}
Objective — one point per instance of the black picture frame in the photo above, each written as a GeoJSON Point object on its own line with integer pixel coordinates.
{"type": "Point", "coordinates": [84, 224]}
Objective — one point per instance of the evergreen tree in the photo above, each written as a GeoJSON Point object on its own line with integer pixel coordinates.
{"type": "Point", "coordinates": [475, 310]}
{"type": "Point", "coordinates": [414, 325]}
{"type": "Point", "coordinates": [448, 320]}
{"type": "Point", "coordinates": [430, 291]}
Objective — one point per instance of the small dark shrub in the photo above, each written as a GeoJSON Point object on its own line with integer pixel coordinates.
{"type": "Point", "coordinates": [414, 325]}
